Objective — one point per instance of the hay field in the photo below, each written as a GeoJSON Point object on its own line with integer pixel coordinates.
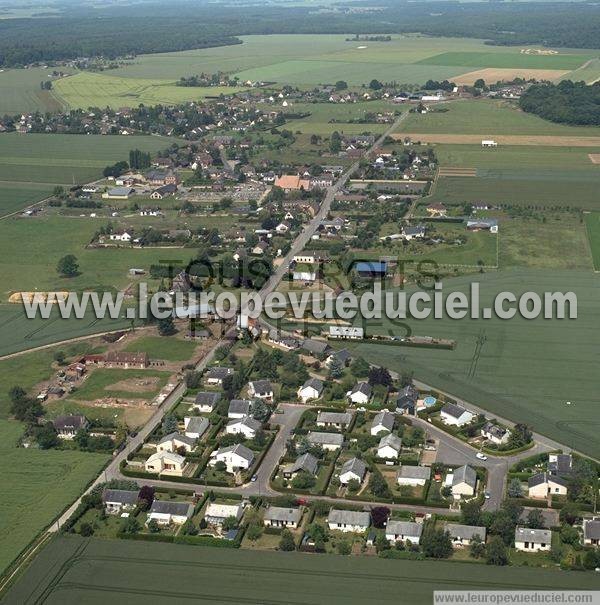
{"type": "Point", "coordinates": [494, 74]}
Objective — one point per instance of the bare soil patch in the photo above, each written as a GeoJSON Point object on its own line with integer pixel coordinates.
{"type": "Point", "coordinates": [492, 74]}
{"type": "Point", "coordinates": [594, 158]}
{"type": "Point", "coordinates": [136, 385]}
{"type": "Point", "coordinates": [516, 139]}
{"type": "Point", "coordinates": [462, 172]}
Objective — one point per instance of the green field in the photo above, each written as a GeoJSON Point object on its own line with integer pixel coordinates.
{"type": "Point", "coordinates": [592, 223]}
{"type": "Point", "coordinates": [37, 486]}
{"type": "Point", "coordinates": [20, 91]}
{"type": "Point", "coordinates": [488, 117]}
{"type": "Point", "coordinates": [508, 60]}
{"type": "Point", "coordinates": [519, 371]}
{"type": "Point", "coordinates": [168, 348]}
{"type": "Point", "coordinates": [75, 570]}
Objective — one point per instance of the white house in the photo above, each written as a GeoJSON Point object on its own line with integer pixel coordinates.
{"type": "Point", "coordinates": [305, 463]}
{"type": "Point", "coordinates": [165, 512]}
{"type": "Point", "coordinates": [165, 463]}
{"type": "Point", "coordinates": [346, 332]}
{"type": "Point", "coordinates": [206, 401]}
{"type": "Point", "coordinates": [591, 532]}
{"type": "Point", "coordinates": [311, 389]}
{"type": "Point", "coordinates": [261, 389]}
{"type": "Point", "coordinates": [195, 426]}
{"type": "Point", "coordinates": [413, 475]}
{"type": "Point", "coordinates": [246, 426]}
{"type": "Point", "coordinates": [495, 433]}
{"type": "Point", "coordinates": [236, 457]}
{"type": "Point", "coordinates": [403, 530]}
{"type": "Point", "coordinates": [454, 415]}
{"type": "Point", "coordinates": [389, 447]}
{"type": "Point", "coordinates": [462, 535]}
{"type": "Point", "coordinates": [360, 393]}
{"type": "Point", "coordinates": [328, 441]}
{"type": "Point", "coordinates": [216, 375]}
{"type": "Point", "coordinates": [174, 442]}
{"type": "Point", "coordinates": [239, 408]}
{"type": "Point", "coordinates": [348, 520]}
{"type": "Point", "coordinates": [383, 421]}
{"type": "Point", "coordinates": [464, 481]}
{"type": "Point", "coordinates": [353, 469]}
{"type": "Point", "coordinates": [541, 485]}
{"type": "Point", "coordinates": [489, 143]}
{"type": "Point", "coordinates": [117, 501]}
{"type": "Point", "coordinates": [337, 420]}
{"type": "Point", "coordinates": [120, 236]}
{"type": "Point", "coordinates": [216, 513]}
{"type": "Point", "coordinates": [532, 540]}
{"type": "Point", "coordinates": [278, 516]}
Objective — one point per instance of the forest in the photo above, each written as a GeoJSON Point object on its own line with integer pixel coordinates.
{"type": "Point", "coordinates": [567, 102]}
{"type": "Point", "coordinates": [79, 31]}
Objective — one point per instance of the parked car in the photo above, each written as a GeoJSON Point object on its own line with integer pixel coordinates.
{"type": "Point", "coordinates": [481, 456]}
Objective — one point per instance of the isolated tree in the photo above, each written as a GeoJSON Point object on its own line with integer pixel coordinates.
{"type": "Point", "coordinates": [375, 85]}
{"type": "Point", "coordinates": [379, 516]}
{"type": "Point", "coordinates": [535, 519]}
{"type": "Point", "coordinates": [336, 368]}
{"type": "Point", "coordinates": [477, 547]}
{"type": "Point", "coordinates": [60, 357]}
{"type": "Point", "coordinates": [344, 547]}
{"type": "Point", "coordinates": [46, 436]}
{"type": "Point", "coordinates": [169, 424]}
{"type": "Point", "coordinates": [341, 85]}
{"type": "Point", "coordinates": [514, 488]}
{"type": "Point", "coordinates": [335, 142]}
{"type": "Point", "coordinates": [286, 542]}
{"type": "Point", "coordinates": [166, 327]}
{"type": "Point", "coordinates": [130, 525]}
{"type": "Point", "coordinates": [471, 513]}
{"type": "Point", "coordinates": [145, 497]}
{"type": "Point", "coordinates": [86, 530]}
{"type": "Point", "coordinates": [260, 410]}
{"type": "Point", "coordinates": [153, 526]}
{"type": "Point", "coordinates": [303, 480]}
{"type": "Point", "coordinates": [569, 513]}
{"type": "Point", "coordinates": [378, 485]}
{"type": "Point", "coordinates": [67, 266]}
{"type": "Point", "coordinates": [495, 552]}
{"type": "Point", "coordinates": [436, 543]}
{"type": "Point", "coordinates": [254, 531]}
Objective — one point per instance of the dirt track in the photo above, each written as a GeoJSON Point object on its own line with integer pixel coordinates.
{"type": "Point", "coordinates": [516, 139]}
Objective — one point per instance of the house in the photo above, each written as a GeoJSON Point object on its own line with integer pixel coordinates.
{"type": "Point", "coordinates": [495, 433]}
{"type": "Point", "coordinates": [353, 469]}
{"type": "Point", "coordinates": [68, 426]}
{"type": "Point", "coordinates": [165, 512]}
{"type": "Point", "coordinates": [164, 191]}
{"type": "Point", "coordinates": [181, 282]}
{"type": "Point", "coordinates": [413, 475]}
{"type": "Point", "coordinates": [174, 442]}
{"type": "Point", "coordinates": [236, 457]}
{"type": "Point", "coordinates": [317, 348]}
{"type": "Point", "coordinates": [166, 463]}
{"type": "Point", "coordinates": [306, 463]}
{"type": "Point", "coordinates": [383, 421]}
{"type": "Point", "coordinates": [489, 143]}
{"type": "Point", "coordinates": [464, 481]}
{"type": "Point", "coordinates": [462, 535]}
{"type": "Point", "coordinates": [260, 248]}
{"type": "Point", "coordinates": [360, 393]}
{"type": "Point", "coordinates": [238, 408]}
{"type": "Point", "coordinates": [246, 426]}
{"type": "Point", "coordinates": [283, 227]}
{"type": "Point", "coordinates": [487, 224]}
{"type": "Point", "coordinates": [161, 177]}
{"type": "Point", "coordinates": [531, 540]}
{"type": "Point", "coordinates": [151, 212]}
{"type": "Point", "coordinates": [346, 333]}
{"type": "Point", "coordinates": [216, 513]}
{"type": "Point", "coordinates": [121, 236]}
{"type": "Point", "coordinates": [261, 389]}
{"type": "Point", "coordinates": [406, 401]}
{"type": "Point", "coordinates": [343, 356]}
{"type": "Point", "coordinates": [304, 276]}
{"type": "Point", "coordinates": [413, 232]}
{"type": "Point", "coordinates": [437, 209]}
{"type": "Point", "coordinates": [311, 389]}
{"type": "Point", "coordinates": [396, 531]}
{"type": "Point", "coordinates": [371, 269]}
{"type": "Point", "coordinates": [292, 182]}
{"type": "Point", "coordinates": [328, 441]}
{"type": "Point", "coordinates": [117, 501]}
{"type": "Point", "coordinates": [389, 447]}
{"type": "Point", "coordinates": [560, 464]}
{"type": "Point", "coordinates": [541, 485]}
{"type": "Point", "coordinates": [215, 376]}
{"type": "Point", "coordinates": [338, 420]}
{"type": "Point", "coordinates": [278, 516]}
{"type": "Point", "coordinates": [195, 426]}
{"type": "Point", "coordinates": [348, 520]}
{"type": "Point", "coordinates": [118, 193]}
{"type": "Point", "coordinates": [206, 401]}
{"type": "Point", "coordinates": [310, 257]}
{"type": "Point", "coordinates": [454, 415]}
{"type": "Point", "coordinates": [285, 342]}
{"type": "Point", "coordinates": [122, 359]}
{"type": "Point", "coordinates": [591, 532]}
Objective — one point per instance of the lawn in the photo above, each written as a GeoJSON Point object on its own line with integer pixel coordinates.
{"type": "Point", "coordinates": [135, 571]}
{"type": "Point", "coordinates": [37, 485]}
{"type": "Point", "coordinates": [164, 347]}
{"type": "Point", "coordinates": [592, 223]}
{"type": "Point", "coordinates": [515, 368]}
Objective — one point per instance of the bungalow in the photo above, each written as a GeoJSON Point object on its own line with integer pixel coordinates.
{"type": "Point", "coordinates": [462, 535]}
{"type": "Point", "coordinates": [292, 182]}
{"type": "Point", "coordinates": [161, 177]}
{"type": "Point", "coordinates": [174, 442]}
{"type": "Point", "coordinates": [406, 401]}
{"type": "Point", "coordinates": [396, 531]}
{"type": "Point", "coordinates": [353, 469]}
{"type": "Point", "coordinates": [306, 463]}
{"type": "Point", "coordinates": [532, 539]}
{"type": "Point", "coordinates": [383, 421]}
{"type": "Point", "coordinates": [206, 401]}
{"type": "Point", "coordinates": [167, 463]}
{"type": "Point", "coordinates": [260, 248]}
{"type": "Point", "coordinates": [343, 356]}
{"type": "Point", "coordinates": [360, 393]}
{"type": "Point", "coordinates": [317, 348]}
{"type": "Point", "coordinates": [417, 232]}
{"type": "Point", "coordinates": [151, 212]}
{"type": "Point", "coordinates": [437, 209]}
{"type": "Point", "coordinates": [310, 257]}
{"type": "Point", "coordinates": [118, 193]}
{"type": "Point", "coordinates": [304, 276]}
{"type": "Point", "coordinates": [338, 420]}
{"type": "Point", "coordinates": [488, 224]}
{"type": "Point", "coordinates": [495, 433]}
{"type": "Point", "coordinates": [285, 342]}
{"type": "Point", "coordinates": [246, 426]}
{"type": "Point", "coordinates": [121, 236]}
{"type": "Point", "coordinates": [371, 269]}
{"type": "Point", "coordinates": [68, 426]}
{"type": "Point", "coordinates": [236, 457]}
{"type": "Point", "coordinates": [389, 447]}
{"type": "Point", "coordinates": [239, 408]}
{"type": "Point", "coordinates": [346, 333]}
{"type": "Point", "coordinates": [311, 389]}
{"type": "Point", "coordinates": [261, 389]}
{"type": "Point", "coordinates": [348, 520]}
{"type": "Point", "coordinates": [215, 376]}
{"type": "Point", "coordinates": [119, 500]}
{"type": "Point", "coordinates": [591, 532]}
{"type": "Point", "coordinates": [464, 481]}
{"type": "Point", "coordinates": [560, 464]}
{"type": "Point", "coordinates": [278, 516]}
{"type": "Point", "coordinates": [283, 227]}
{"type": "Point", "coordinates": [216, 513]}
{"type": "Point", "coordinates": [413, 475]}
{"type": "Point", "coordinates": [328, 441]}
{"type": "Point", "coordinates": [541, 485]}
{"type": "Point", "coordinates": [454, 415]}
{"type": "Point", "coordinates": [195, 426]}
{"type": "Point", "coordinates": [164, 191]}
{"type": "Point", "coordinates": [165, 512]}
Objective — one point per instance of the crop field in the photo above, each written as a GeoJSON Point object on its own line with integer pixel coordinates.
{"type": "Point", "coordinates": [561, 61]}
{"type": "Point", "coordinates": [15, 197]}
{"type": "Point", "coordinates": [86, 89]}
{"type": "Point", "coordinates": [37, 486]}
{"type": "Point", "coordinates": [592, 223]}
{"type": "Point", "coordinates": [20, 91]}
{"type": "Point", "coordinates": [514, 368]}
{"type": "Point", "coordinates": [137, 572]}
{"type": "Point", "coordinates": [163, 347]}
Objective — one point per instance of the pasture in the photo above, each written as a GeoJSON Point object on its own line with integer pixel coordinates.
{"type": "Point", "coordinates": [20, 91]}
{"type": "Point", "coordinates": [516, 367]}
{"type": "Point", "coordinates": [169, 348]}
{"type": "Point", "coordinates": [135, 571]}
{"type": "Point", "coordinates": [592, 224]}
{"type": "Point", "coordinates": [37, 485]}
